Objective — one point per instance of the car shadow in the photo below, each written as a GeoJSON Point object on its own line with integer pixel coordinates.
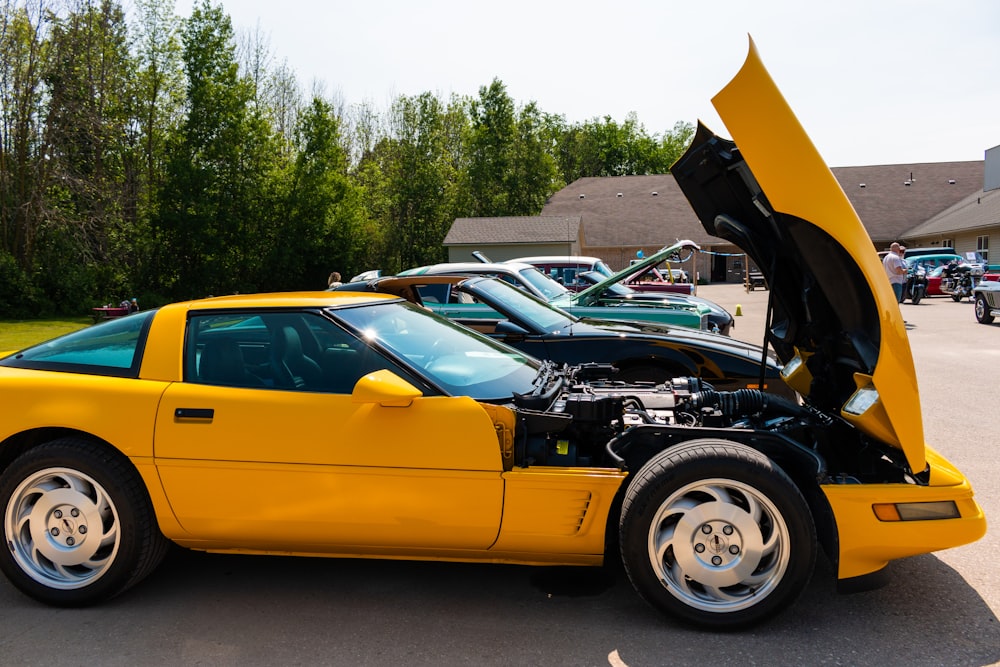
{"type": "Point", "coordinates": [251, 610]}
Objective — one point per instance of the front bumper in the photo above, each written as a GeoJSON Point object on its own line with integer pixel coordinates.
{"type": "Point", "coordinates": [867, 543]}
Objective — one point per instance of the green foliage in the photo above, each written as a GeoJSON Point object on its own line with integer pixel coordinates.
{"type": "Point", "coordinates": [18, 296]}
{"type": "Point", "coordinates": [145, 159]}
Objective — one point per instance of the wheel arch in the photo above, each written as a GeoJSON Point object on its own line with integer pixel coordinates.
{"type": "Point", "coordinates": [803, 466]}
{"type": "Point", "coordinates": [19, 443]}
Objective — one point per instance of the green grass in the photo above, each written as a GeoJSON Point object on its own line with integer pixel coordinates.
{"type": "Point", "coordinates": [19, 334]}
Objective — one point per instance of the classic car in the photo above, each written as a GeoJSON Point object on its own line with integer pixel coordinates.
{"type": "Point", "coordinates": [720, 320]}
{"type": "Point", "coordinates": [361, 425]}
{"type": "Point", "coordinates": [584, 304]}
{"type": "Point", "coordinates": [641, 351]}
{"type": "Point", "coordinates": [986, 297]}
{"type": "Point", "coordinates": [567, 269]}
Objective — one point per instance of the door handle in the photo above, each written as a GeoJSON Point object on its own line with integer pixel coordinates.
{"type": "Point", "coordinates": [194, 413]}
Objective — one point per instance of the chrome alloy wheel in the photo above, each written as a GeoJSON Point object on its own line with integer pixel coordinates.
{"type": "Point", "coordinates": [62, 528]}
{"type": "Point", "coordinates": [719, 545]}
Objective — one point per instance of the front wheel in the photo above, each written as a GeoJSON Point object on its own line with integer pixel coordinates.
{"type": "Point", "coordinates": [715, 534]}
{"type": "Point", "coordinates": [77, 522]}
{"type": "Point", "coordinates": [918, 294]}
{"type": "Point", "coordinates": [983, 314]}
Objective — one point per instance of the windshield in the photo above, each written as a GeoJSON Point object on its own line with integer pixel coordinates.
{"type": "Point", "coordinates": [603, 269]}
{"type": "Point", "coordinates": [457, 360]}
{"type": "Point", "coordinates": [549, 288]}
{"type": "Point", "coordinates": [521, 307]}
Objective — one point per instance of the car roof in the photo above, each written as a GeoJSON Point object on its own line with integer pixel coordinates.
{"type": "Point", "coordinates": [574, 259]}
{"type": "Point", "coordinates": [468, 267]}
{"type": "Point", "coordinates": [914, 252]}
{"type": "Point", "coordinates": [310, 299]}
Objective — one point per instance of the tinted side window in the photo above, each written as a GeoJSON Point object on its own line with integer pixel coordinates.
{"type": "Point", "coordinates": [298, 351]}
{"type": "Point", "coordinates": [112, 348]}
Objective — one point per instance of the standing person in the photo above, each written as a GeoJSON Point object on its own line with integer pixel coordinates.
{"type": "Point", "coordinates": [895, 269]}
{"type": "Point", "coordinates": [333, 280]}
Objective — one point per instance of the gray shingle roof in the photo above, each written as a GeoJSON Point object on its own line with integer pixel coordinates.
{"type": "Point", "coordinates": [890, 208]}
{"type": "Point", "coordinates": [624, 211]}
{"type": "Point", "coordinates": [651, 211]}
{"type": "Point", "coordinates": [514, 229]}
{"type": "Point", "coordinates": [980, 210]}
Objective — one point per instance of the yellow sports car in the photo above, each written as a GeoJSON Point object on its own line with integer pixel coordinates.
{"type": "Point", "coordinates": [359, 425]}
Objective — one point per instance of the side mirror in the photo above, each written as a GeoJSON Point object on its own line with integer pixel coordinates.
{"type": "Point", "coordinates": [508, 328]}
{"type": "Point", "coordinates": [385, 388]}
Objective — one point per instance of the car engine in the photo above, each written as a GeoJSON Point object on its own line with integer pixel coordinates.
{"type": "Point", "coordinates": [581, 416]}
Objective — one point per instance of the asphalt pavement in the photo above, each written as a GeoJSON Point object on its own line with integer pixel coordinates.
{"type": "Point", "coordinates": [204, 609]}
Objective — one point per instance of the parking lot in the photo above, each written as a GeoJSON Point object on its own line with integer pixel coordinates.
{"type": "Point", "coordinates": [939, 609]}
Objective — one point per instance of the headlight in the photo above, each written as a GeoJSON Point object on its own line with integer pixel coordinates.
{"type": "Point", "coordinates": [862, 400]}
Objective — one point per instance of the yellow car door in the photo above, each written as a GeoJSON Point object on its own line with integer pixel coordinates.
{"type": "Point", "coordinates": [265, 468]}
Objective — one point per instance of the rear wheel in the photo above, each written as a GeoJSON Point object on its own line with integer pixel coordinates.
{"type": "Point", "coordinates": [983, 313]}
{"type": "Point", "coordinates": [715, 534]}
{"type": "Point", "coordinates": [78, 524]}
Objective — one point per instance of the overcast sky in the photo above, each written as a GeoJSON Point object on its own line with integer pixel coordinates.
{"type": "Point", "coordinates": [872, 81]}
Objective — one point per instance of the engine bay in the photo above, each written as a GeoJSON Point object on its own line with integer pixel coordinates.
{"type": "Point", "coordinates": [583, 417]}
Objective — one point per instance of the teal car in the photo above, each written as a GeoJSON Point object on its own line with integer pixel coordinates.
{"type": "Point", "coordinates": [585, 304]}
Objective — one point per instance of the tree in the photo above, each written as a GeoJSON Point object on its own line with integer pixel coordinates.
{"type": "Point", "coordinates": [423, 177]}
{"type": "Point", "coordinates": [220, 192]}
{"type": "Point", "coordinates": [326, 228]}
{"type": "Point", "coordinates": [490, 152]}
{"type": "Point", "coordinates": [22, 169]}
{"type": "Point", "coordinates": [159, 88]}
{"type": "Point", "coordinates": [89, 209]}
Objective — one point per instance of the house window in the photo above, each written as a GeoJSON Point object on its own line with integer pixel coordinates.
{"type": "Point", "coordinates": [983, 246]}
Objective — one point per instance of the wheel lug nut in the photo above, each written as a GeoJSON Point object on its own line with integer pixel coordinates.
{"type": "Point", "coordinates": [716, 560]}
{"type": "Point", "coordinates": [700, 548]}
{"type": "Point", "coordinates": [728, 530]}
{"type": "Point", "coordinates": [57, 514]}
{"type": "Point", "coordinates": [83, 531]}
{"type": "Point", "coordinates": [75, 512]}
{"type": "Point", "coordinates": [54, 532]}
{"type": "Point", "coordinates": [70, 541]}
{"type": "Point", "coordinates": [706, 529]}
{"type": "Point", "coordinates": [733, 549]}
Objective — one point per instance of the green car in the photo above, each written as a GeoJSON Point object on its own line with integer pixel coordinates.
{"type": "Point", "coordinates": [584, 304]}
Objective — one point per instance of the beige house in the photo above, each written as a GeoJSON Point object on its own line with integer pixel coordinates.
{"type": "Point", "coordinates": [617, 217]}
{"type": "Point", "coordinates": [968, 224]}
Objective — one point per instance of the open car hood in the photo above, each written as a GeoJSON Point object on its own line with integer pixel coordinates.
{"type": "Point", "coordinates": [835, 322]}
{"type": "Point", "coordinates": [594, 292]}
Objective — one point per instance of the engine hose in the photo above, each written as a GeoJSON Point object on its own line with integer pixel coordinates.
{"type": "Point", "coordinates": [745, 401]}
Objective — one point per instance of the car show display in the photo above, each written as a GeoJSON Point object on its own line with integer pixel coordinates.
{"type": "Point", "coordinates": [347, 424]}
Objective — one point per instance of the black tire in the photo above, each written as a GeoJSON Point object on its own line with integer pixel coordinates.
{"type": "Point", "coordinates": [916, 296]}
{"type": "Point", "coordinates": [78, 523]}
{"type": "Point", "coordinates": [983, 314]}
{"type": "Point", "coordinates": [692, 547]}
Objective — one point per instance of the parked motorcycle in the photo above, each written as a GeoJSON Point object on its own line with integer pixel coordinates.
{"type": "Point", "coordinates": [956, 280]}
{"type": "Point", "coordinates": [915, 287]}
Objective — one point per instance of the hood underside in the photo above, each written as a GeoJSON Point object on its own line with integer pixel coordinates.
{"type": "Point", "coordinates": [835, 321]}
